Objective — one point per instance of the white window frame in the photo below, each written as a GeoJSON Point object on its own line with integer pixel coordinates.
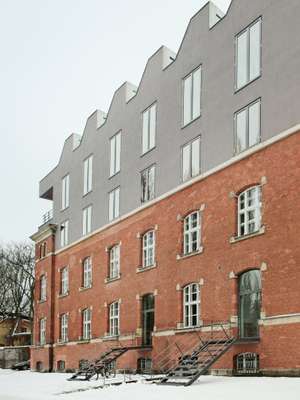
{"type": "Point", "coordinates": [42, 331]}
{"type": "Point", "coordinates": [87, 324]}
{"type": "Point", "coordinates": [114, 204]}
{"type": "Point", "coordinates": [87, 175]}
{"type": "Point", "coordinates": [191, 234]}
{"type": "Point", "coordinates": [87, 220]}
{"type": "Point", "coordinates": [64, 326]}
{"type": "Point", "coordinates": [192, 159]}
{"type": "Point", "coordinates": [114, 261]}
{"type": "Point", "coordinates": [114, 319]}
{"type": "Point", "coordinates": [246, 112]}
{"type": "Point", "coordinates": [247, 32]}
{"type": "Point", "coordinates": [189, 304]}
{"type": "Point", "coordinates": [65, 192]}
{"type": "Point", "coordinates": [249, 214]}
{"type": "Point", "coordinates": [149, 120]}
{"type": "Point", "coordinates": [148, 183]}
{"type": "Point", "coordinates": [190, 96]}
{"type": "Point", "coordinates": [64, 233]}
{"type": "Point", "coordinates": [64, 281]}
{"type": "Point", "coordinates": [43, 288]}
{"type": "Point", "coordinates": [87, 272]}
{"type": "Point", "coordinates": [148, 243]}
{"type": "Point", "coordinates": [115, 154]}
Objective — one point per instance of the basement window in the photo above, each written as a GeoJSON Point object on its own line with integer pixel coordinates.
{"type": "Point", "coordinates": [247, 363]}
{"type": "Point", "coordinates": [61, 366]}
{"type": "Point", "coordinates": [144, 365]}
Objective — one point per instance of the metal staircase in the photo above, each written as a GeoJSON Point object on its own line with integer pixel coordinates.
{"type": "Point", "coordinates": [196, 361]}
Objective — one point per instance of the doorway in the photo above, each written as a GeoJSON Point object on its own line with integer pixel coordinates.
{"type": "Point", "coordinates": [147, 319]}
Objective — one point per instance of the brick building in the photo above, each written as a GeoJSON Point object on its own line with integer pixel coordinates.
{"type": "Point", "coordinates": [178, 211]}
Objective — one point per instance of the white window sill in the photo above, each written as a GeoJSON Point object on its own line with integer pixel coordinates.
{"type": "Point", "coordinates": [194, 253]}
{"type": "Point", "coordinates": [61, 342]}
{"type": "Point", "coordinates": [108, 337]}
{"type": "Point", "coordinates": [115, 278]}
{"type": "Point", "coordinates": [182, 328]}
{"type": "Point", "coordinates": [83, 288]}
{"type": "Point", "coordinates": [82, 340]}
{"type": "Point", "coordinates": [235, 239]}
{"type": "Point", "coordinates": [144, 269]}
{"type": "Point", "coordinates": [42, 301]}
{"type": "Point", "coordinates": [60, 296]}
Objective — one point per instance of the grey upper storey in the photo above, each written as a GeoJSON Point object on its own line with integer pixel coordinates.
{"type": "Point", "coordinates": [205, 43]}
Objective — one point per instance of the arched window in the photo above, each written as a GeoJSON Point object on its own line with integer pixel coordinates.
{"type": "Point", "coordinates": [191, 305]}
{"type": "Point", "coordinates": [249, 211]}
{"type": "Point", "coordinates": [87, 272]}
{"type": "Point", "coordinates": [148, 249]}
{"type": "Point", "coordinates": [114, 262]}
{"type": "Point", "coordinates": [191, 233]}
{"type": "Point", "coordinates": [114, 318]}
{"type": "Point", "coordinates": [61, 365]}
{"type": "Point", "coordinates": [43, 288]}
{"type": "Point", "coordinates": [249, 303]}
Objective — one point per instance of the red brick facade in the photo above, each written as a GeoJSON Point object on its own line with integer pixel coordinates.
{"type": "Point", "coordinates": [275, 251]}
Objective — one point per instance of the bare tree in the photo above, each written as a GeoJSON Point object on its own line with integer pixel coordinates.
{"type": "Point", "coordinates": [16, 280]}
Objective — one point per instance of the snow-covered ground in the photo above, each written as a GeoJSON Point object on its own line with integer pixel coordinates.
{"type": "Point", "coordinates": [34, 386]}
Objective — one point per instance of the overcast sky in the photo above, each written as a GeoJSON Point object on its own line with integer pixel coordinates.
{"type": "Point", "coordinates": [61, 60]}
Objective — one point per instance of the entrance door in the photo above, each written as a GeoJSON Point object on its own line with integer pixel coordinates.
{"type": "Point", "coordinates": [249, 304]}
{"type": "Point", "coordinates": [147, 318]}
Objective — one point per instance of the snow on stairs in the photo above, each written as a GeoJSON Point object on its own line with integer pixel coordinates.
{"type": "Point", "coordinates": [88, 370]}
{"type": "Point", "coordinates": [192, 365]}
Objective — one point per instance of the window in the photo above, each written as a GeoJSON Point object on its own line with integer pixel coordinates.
{"type": "Point", "coordinates": [249, 304]}
{"type": "Point", "coordinates": [247, 363]}
{"type": "Point", "coordinates": [192, 96]}
{"type": "Point", "coordinates": [191, 237]}
{"type": "Point", "coordinates": [144, 365]}
{"type": "Point", "coordinates": [191, 159]}
{"type": "Point", "coordinates": [249, 211]}
{"type": "Point", "coordinates": [61, 365]}
{"type": "Point", "coordinates": [43, 250]}
{"type": "Point", "coordinates": [87, 220]}
{"type": "Point", "coordinates": [65, 188]}
{"type": "Point", "coordinates": [87, 272]}
{"type": "Point", "coordinates": [64, 281]}
{"type": "Point", "coordinates": [43, 288]}
{"type": "Point", "coordinates": [114, 262]}
{"type": "Point", "coordinates": [248, 54]}
{"type": "Point", "coordinates": [87, 174]}
{"type": "Point", "coordinates": [191, 305]}
{"type": "Point", "coordinates": [114, 319]}
{"type": "Point", "coordinates": [42, 331]}
{"type": "Point", "coordinates": [148, 184]}
{"type": "Point", "coordinates": [64, 319]}
{"type": "Point", "coordinates": [115, 154]}
{"type": "Point", "coordinates": [64, 233]}
{"type": "Point", "coordinates": [148, 249]}
{"type": "Point", "coordinates": [114, 204]}
{"type": "Point", "coordinates": [86, 324]}
{"type": "Point", "coordinates": [149, 128]}
{"type": "Point", "coordinates": [247, 127]}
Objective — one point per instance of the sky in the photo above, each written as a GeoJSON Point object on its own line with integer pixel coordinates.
{"type": "Point", "coordinates": [61, 60]}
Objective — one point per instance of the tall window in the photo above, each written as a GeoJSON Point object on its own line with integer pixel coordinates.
{"type": "Point", "coordinates": [64, 281]}
{"type": "Point", "coordinates": [86, 324]}
{"type": "Point", "coordinates": [248, 54]}
{"type": "Point", "coordinates": [148, 249]}
{"type": "Point", "coordinates": [43, 288]}
{"type": "Point", "coordinates": [87, 272]}
{"type": "Point", "coordinates": [191, 305]}
{"type": "Point", "coordinates": [149, 128]}
{"type": "Point", "coordinates": [191, 236]}
{"type": "Point", "coordinates": [247, 126]}
{"type": "Point", "coordinates": [65, 189]}
{"type": "Point", "coordinates": [191, 159]}
{"type": "Point", "coordinates": [114, 319]}
{"type": "Point", "coordinates": [64, 233]}
{"type": "Point", "coordinates": [87, 220]}
{"type": "Point", "coordinates": [115, 154]}
{"type": "Point", "coordinates": [148, 184]}
{"type": "Point", "coordinates": [249, 211]}
{"type": "Point", "coordinates": [87, 174]}
{"type": "Point", "coordinates": [42, 331]}
{"type": "Point", "coordinates": [114, 262]}
{"type": "Point", "coordinates": [192, 96]}
{"type": "Point", "coordinates": [64, 320]}
{"type": "Point", "coordinates": [43, 250]}
{"type": "Point", "coordinates": [114, 204]}
{"type": "Point", "coordinates": [249, 303]}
